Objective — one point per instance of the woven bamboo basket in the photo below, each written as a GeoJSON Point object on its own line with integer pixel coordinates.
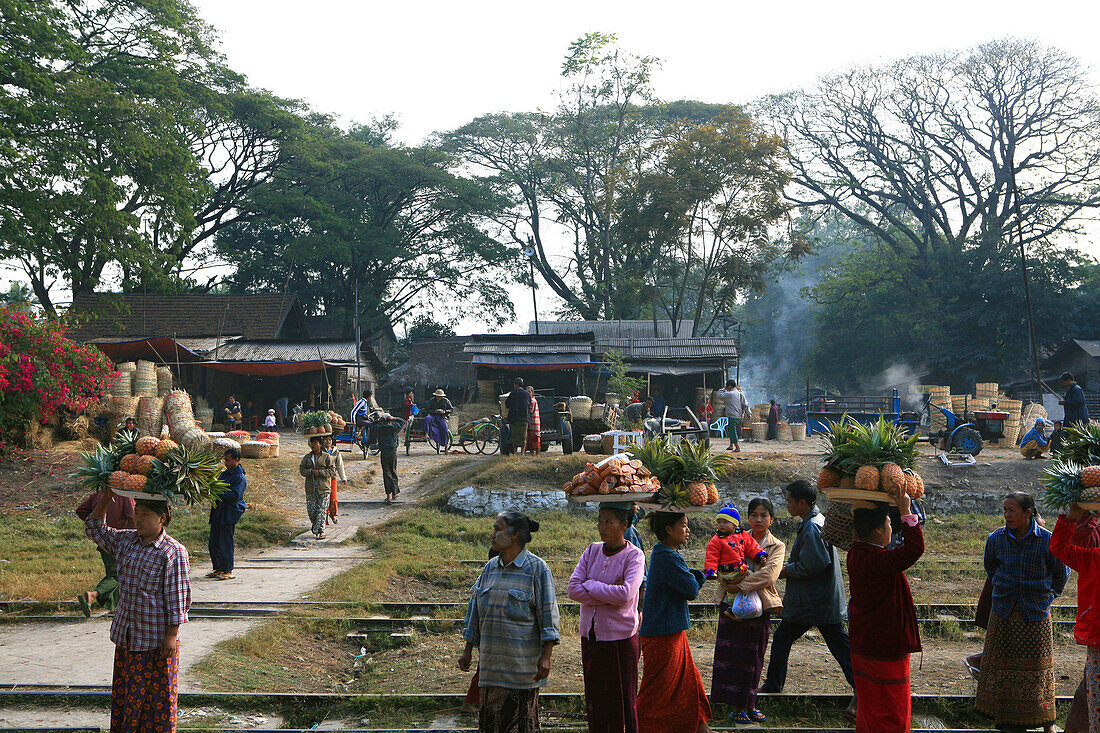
{"type": "Point", "coordinates": [783, 432]}
{"type": "Point", "coordinates": [164, 379]}
{"type": "Point", "coordinates": [241, 436]}
{"type": "Point", "coordinates": [759, 430]}
{"type": "Point", "coordinates": [126, 366]}
{"type": "Point", "coordinates": [215, 435]}
{"type": "Point", "coordinates": [195, 439]}
{"type": "Point", "coordinates": [256, 449]}
{"type": "Point", "coordinates": [837, 530]}
{"type": "Point", "coordinates": [798, 431]}
{"type": "Point", "coordinates": [580, 407]}
{"type": "Point", "coordinates": [204, 418]}
{"type": "Point", "coordinates": [178, 415]}
{"type": "Point", "coordinates": [150, 415]}
{"type": "Point", "coordinates": [1032, 412]}
{"type": "Point", "coordinates": [125, 406]}
{"type": "Point", "coordinates": [121, 385]}
{"type": "Point", "coordinates": [593, 444]}
{"type": "Point", "coordinates": [222, 444]}
{"type": "Point", "coordinates": [598, 411]}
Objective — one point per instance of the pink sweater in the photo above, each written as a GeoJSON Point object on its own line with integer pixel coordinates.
{"type": "Point", "coordinates": [607, 589]}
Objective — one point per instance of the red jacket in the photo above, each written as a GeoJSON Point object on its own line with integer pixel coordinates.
{"type": "Point", "coordinates": [120, 512]}
{"type": "Point", "coordinates": [881, 617]}
{"type": "Point", "coordinates": [733, 549]}
{"type": "Point", "coordinates": [1086, 561]}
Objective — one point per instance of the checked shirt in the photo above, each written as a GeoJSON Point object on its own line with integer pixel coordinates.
{"type": "Point", "coordinates": [155, 585]}
{"type": "Point", "coordinates": [1025, 574]}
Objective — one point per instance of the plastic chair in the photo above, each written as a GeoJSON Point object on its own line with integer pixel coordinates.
{"type": "Point", "coordinates": [718, 425]}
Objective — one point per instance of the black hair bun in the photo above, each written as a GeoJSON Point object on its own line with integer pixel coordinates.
{"type": "Point", "coordinates": [532, 525]}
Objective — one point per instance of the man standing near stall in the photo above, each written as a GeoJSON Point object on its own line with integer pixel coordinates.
{"type": "Point", "coordinates": [518, 405]}
{"type": "Point", "coordinates": [1077, 412]}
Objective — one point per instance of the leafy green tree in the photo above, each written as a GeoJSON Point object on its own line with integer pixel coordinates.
{"type": "Point", "coordinates": [354, 208]}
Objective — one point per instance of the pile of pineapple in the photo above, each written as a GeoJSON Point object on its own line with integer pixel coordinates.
{"type": "Point", "coordinates": [878, 457]}
{"type": "Point", "coordinates": [153, 466]}
{"type": "Point", "coordinates": [315, 423]}
{"type": "Point", "coordinates": [1075, 476]}
{"type": "Point", "coordinates": [686, 472]}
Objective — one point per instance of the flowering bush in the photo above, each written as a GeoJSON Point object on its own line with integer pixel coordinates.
{"type": "Point", "coordinates": [41, 371]}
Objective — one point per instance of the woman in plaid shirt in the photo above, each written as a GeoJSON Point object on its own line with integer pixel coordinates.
{"type": "Point", "coordinates": [154, 575]}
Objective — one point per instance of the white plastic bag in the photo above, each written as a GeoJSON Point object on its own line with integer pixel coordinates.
{"type": "Point", "coordinates": [746, 605]}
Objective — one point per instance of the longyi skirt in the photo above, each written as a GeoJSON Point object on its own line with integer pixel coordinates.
{"type": "Point", "coordinates": [671, 698]}
{"type": "Point", "coordinates": [611, 684]}
{"type": "Point", "coordinates": [143, 692]}
{"type": "Point", "coordinates": [1016, 684]}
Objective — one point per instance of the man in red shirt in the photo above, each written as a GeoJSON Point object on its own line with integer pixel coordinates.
{"type": "Point", "coordinates": [120, 515]}
{"type": "Point", "coordinates": [882, 618]}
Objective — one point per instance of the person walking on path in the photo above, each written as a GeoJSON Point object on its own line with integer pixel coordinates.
{"type": "Point", "coordinates": [1016, 683]}
{"type": "Point", "coordinates": [435, 422]}
{"type": "Point", "coordinates": [120, 515]}
{"type": "Point", "coordinates": [388, 432]}
{"type": "Point", "coordinates": [740, 644]}
{"type": "Point", "coordinates": [671, 698]}
{"type": "Point", "coordinates": [518, 405]}
{"type": "Point", "coordinates": [512, 618]}
{"type": "Point", "coordinates": [814, 596]}
{"type": "Point", "coordinates": [882, 616]}
{"type": "Point", "coordinates": [224, 515]}
{"type": "Point", "coordinates": [773, 420]}
{"type": "Point", "coordinates": [154, 575]}
{"type": "Point", "coordinates": [317, 467]}
{"type": "Point", "coordinates": [341, 475]}
{"type": "Point", "coordinates": [736, 405]}
{"type": "Point", "coordinates": [606, 582]}
{"type": "Point", "coordinates": [534, 426]}
{"type": "Point", "coordinates": [1077, 412]}
{"type": "Point", "coordinates": [1074, 543]}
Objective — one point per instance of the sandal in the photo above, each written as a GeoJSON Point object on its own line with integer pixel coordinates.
{"type": "Point", "coordinates": [85, 607]}
{"type": "Point", "coordinates": [741, 718]}
{"type": "Point", "coordinates": [224, 576]}
{"type": "Point", "coordinates": [756, 716]}
{"type": "Point", "coordinates": [213, 574]}
{"type": "Point", "coordinates": [321, 536]}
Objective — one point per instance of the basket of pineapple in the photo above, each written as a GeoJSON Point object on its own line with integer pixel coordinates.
{"type": "Point", "coordinates": [150, 468]}
{"type": "Point", "coordinates": [315, 423]}
{"type": "Point", "coordinates": [687, 473]}
{"type": "Point", "coordinates": [864, 464]}
{"type": "Point", "coordinates": [1074, 478]}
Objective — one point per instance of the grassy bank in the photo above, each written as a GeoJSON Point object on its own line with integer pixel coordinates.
{"type": "Point", "coordinates": [46, 557]}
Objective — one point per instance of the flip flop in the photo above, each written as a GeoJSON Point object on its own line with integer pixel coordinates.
{"type": "Point", "coordinates": [212, 574]}
{"type": "Point", "coordinates": [85, 607]}
{"type": "Point", "coordinates": [225, 576]}
{"type": "Point", "coordinates": [757, 717]}
{"type": "Point", "coordinates": [321, 536]}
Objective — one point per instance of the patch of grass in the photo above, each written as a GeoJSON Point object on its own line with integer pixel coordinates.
{"type": "Point", "coordinates": [961, 535]}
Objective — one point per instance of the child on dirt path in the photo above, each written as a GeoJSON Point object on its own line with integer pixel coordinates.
{"type": "Point", "coordinates": [882, 617]}
{"type": "Point", "coordinates": [726, 553]}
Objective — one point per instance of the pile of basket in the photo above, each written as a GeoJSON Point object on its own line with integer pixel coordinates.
{"type": "Point", "coordinates": [143, 381]}
{"type": "Point", "coordinates": [164, 381]}
{"type": "Point", "coordinates": [259, 449]}
{"type": "Point", "coordinates": [150, 415]}
{"type": "Point", "coordinates": [181, 421]}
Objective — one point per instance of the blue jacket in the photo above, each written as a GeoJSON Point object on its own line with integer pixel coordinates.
{"type": "Point", "coordinates": [230, 505]}
{"type": "Point", "coordinates": [815, 588]}
{"type": "Point", "coordinates": [670, 584]}
{"type": "Point", "coordinates": [1076, 410]}
{"type": "Point", "coordinates": [1036, 434]}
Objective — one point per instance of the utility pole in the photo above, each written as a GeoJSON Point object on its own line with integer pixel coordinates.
{"type": "Point", "coordinates": [358, 345]}
{"type": "Point", "coordinates": [529, 251]}
{"type": "Point", "coordinates": [1032, 343]}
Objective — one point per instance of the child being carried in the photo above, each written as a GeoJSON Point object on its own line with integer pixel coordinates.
{"type": "Point", "coordinates": [727, 550]}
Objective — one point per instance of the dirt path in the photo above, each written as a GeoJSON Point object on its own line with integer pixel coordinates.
{"type": "Point", "coordinates": [81, 654]}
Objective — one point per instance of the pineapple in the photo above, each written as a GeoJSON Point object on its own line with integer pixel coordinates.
{"type": "Point", "coordinates": [164, 447]}
{"type": "Point", "coordinates": [117, 480]}
{"type": "Point", "coordinates": [827, 478]}
{"type": "Point", "coordinates": [130, 463]}
{"type": "Point", "coordinates": [144, 465]}
{"type": "Point", "coordinates": [134, 482]}
{"type": "Point", "coordinates": [1063, 484]}
{"type": "Point", "coordinates": [846, 482]}
{"type": "Point", "coordinates": [1090, 476]}
{"type": "Point", "coordinates": [1081, 446]}
{"type": "Point", "coordinates": [1090, 495]}
{"type": "Point", "coordinates": [124, 445]}
{"type": "Point", "coordinates": [673, 496]}
{"type": "Point", "coordinates": [712, 494]}
{"type": "Point", "coordinates": [892, 479]}
{"type": "Point", "coordinates": [698, 492]}
{"type": "Point", "coordinates": [867, 478]}
{"type": "Point", "coordinates": [95, 474]}
{"type": "Point", "coordinates": [914, 485]}
{"type": "Point", "coordinates": [147, 446]}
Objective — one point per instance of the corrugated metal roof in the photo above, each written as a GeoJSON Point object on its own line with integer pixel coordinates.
{"type": "Point", "coordinates": [1092, 348]}
{"type": "Point", "coordinates": [286, 351]}
{"type": "Point", "coordinates": [613, 329]}
{"type": "Point", "coordinates": [529, 347]}
{"type": "Point", "coordinates": [670, 348]}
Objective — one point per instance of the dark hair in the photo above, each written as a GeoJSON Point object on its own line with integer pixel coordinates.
{"type": "Point", "coordinates": [660, 522]}
{"type": "Point", "coordinates": [129, 419]}
{"type": "Point", "coordinates": [624, 515]}
{"type": "Point", "coordinates": [518, 381]}
{"type": "Point", "coordinates": [801, 489]}
{"type": "Point", "coordinates": [761, 501]}
{"type": "Point", "coordinates": [408, 390]}
{"type": "Point", "coordinates": [317, 438]}
{"type": "Point", "coordinates": [1025, 500]}
{"type": "Point", "coordinates": [367, 392]}
{"type": "Point", "coordinates": [519, 524]}
{"type": "Point", "coordinates": [649, 399]}
{"type": "Point", "coordinates": [866, 521]}
{"type": "Point", "coordinates": [162, 508]}
{"type": "Point", "coordinates": [233, 452]}
{"type": "Point", "coordinates": [1068, 377]}
{"type": "Point", "coordinates": [731, 383]}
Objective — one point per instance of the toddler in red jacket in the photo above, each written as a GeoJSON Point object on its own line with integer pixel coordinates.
{"type": "Point", "coordinates": [727, 550]}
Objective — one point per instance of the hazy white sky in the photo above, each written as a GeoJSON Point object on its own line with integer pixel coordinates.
{"type": "Point", "coordinates": [436, 65]}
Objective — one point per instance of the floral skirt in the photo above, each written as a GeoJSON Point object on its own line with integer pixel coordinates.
{"type": "Point", "coordinates": [504, 710]}
{"type": "Point", "coordinates": [143, 692]}
{"type": "Point", "coordinates": [1016, 684]}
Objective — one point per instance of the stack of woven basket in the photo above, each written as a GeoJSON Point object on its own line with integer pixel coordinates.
{"type": "Point", "coordinates": [181, 421]}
